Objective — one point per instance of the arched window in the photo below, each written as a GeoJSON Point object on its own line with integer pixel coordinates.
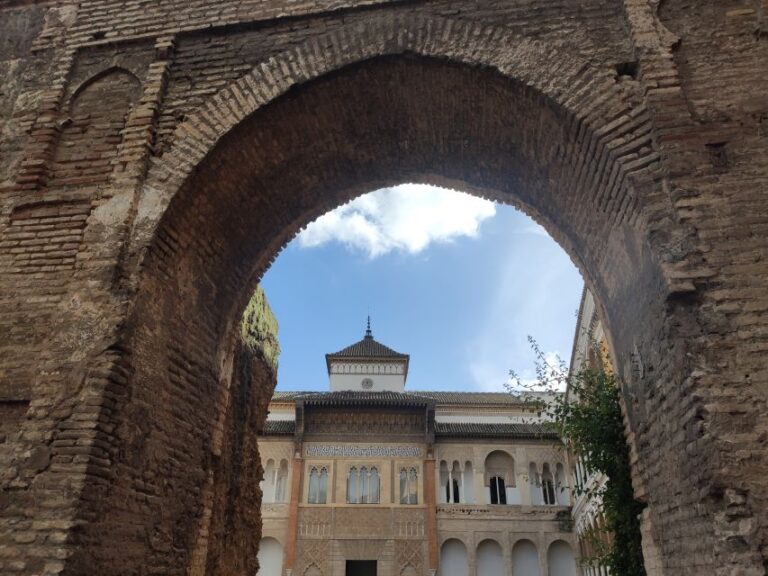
{"type": "Point", "coordinates": [363, 485]}
{"type": "Point", "coordinates": [455, 490]}
{"type": "Point", "coordinates": [500, 478]}
{"type": "Point", "coordinates": [352, 481]}
{"type": "Point", "coordinates": [373, 487]}
{"type": "Point", "coordinates": [362, 497]}
{"type": "Point", "coordinates": [561, 486]}
{"type": "Point", "coordinates": [314, 486]}
{"type": "Point", "coordinates": [323, 485]}
{"type": "Point", "coordinates": [444, 493]}
{"type": "Point", "coordinates": [413, 486]}
{"type": "Point", "coordinates": [281, 482]}
{"type": "Point", "coordinates": [318, 485]}
{"type": "Point", "coordinates": [409, 490]}
{"type": "Point", "coordinates": [548, 487]}
{"type": "Point", "coordinates": [535, 484]}
{"type": "Point", "coordinates": [498, 490]}
{"type": "Point", "coordinates": [268, 482]}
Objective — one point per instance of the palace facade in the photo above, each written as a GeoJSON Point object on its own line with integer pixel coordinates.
{"type": "Point", "coordinates": [368, 479]}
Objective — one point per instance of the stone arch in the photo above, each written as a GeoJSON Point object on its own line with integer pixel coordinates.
{"type": "Point", "coordinates": [616, 131]}
{"type": "Point", "coordinates": [499, 478]}
{"type": "Point", "coordinates": [217, 207]}
{"type": "Point", "coordinates": [500, 463]}
{"type": "Point", "coordinates": [118, 72]}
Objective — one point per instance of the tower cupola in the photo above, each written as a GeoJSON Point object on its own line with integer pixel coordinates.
{"type": "Point", "coordinates": [367, 365]}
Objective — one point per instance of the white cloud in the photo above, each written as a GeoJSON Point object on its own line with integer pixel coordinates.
{"type": "Point", "coordinates": [535, 292]}
{"type": "Point", "coordinates": [405, 218]}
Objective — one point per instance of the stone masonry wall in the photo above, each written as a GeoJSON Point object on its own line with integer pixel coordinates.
{"type": "Point", "coordinates": [156, 156]}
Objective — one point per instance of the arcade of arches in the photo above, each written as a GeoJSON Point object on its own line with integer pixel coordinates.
{"type": "Point", "coordinates": [155, 157]}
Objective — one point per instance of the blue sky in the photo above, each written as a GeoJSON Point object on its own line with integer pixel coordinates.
{"type": "Point", "coordinates": [453, 280]}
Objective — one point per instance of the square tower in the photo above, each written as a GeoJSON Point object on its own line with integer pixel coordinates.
{"type": "Point", "coordinates": [367, 366]}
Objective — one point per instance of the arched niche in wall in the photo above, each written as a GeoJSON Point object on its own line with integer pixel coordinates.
{"type": "Point", "coordinates": [270, 557]}
{"type": "Point", "coordinates": [91, 135]}
{"type": "Point", "coordinates": [525, 559]}
{"type": "Point", "coordinates": [453, 558]}
{"type": "Point", "coordinates": [560, 559]}
{"type": "Point", "coordinates": [490, 560]}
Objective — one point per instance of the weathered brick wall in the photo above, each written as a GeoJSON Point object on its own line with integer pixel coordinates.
{"type": "Point", "coordinates": [234, 528]}
{"type": "Point", "coordinates": [156, 156]}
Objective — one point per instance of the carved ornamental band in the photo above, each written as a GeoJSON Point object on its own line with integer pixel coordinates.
{"type": "Point", "coordinates": [364, 451]}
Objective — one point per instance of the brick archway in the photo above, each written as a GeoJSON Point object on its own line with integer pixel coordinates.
{"type": "Point", "coordinates": [606, 130]}
{"type": "Point", "coordinates": [461, 106]}
{"type": "Point", "coordinates": [137, 359]}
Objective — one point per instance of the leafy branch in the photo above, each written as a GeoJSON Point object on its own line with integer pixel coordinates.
{"type": "Point", "coordinates": [585, 409]}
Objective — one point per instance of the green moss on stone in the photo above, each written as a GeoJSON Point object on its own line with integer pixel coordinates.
{"type": "Point", "coordinates": [259, 328]}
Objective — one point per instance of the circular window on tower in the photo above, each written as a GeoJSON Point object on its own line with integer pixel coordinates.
{"type": "Point", "coordinates": [367, 383]}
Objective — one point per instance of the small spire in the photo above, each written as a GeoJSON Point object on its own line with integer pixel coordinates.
{"type": "Point", "coordinates": [368, 333]}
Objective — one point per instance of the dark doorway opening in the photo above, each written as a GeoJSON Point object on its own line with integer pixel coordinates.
{"type": "Point", "coordinates": [361, 568]}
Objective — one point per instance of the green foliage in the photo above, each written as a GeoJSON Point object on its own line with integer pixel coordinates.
{"type": "Point", "coordinates": [259, 327]}
{"type": "Point", "coordinates": [589, 419]}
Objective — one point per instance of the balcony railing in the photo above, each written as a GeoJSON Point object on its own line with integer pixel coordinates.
{"type": "Point", "coordinates": [505, 510]}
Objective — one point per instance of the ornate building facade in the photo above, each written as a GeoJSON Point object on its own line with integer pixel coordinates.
{"type": "Point", "coordinates": [369, 479]}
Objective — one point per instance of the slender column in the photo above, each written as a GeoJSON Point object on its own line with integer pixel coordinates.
{"type": "Point", "coordinates": [450, 486]}
{"type": "Point", "coordinates": [431, 512]}
{"type": "Point", "coordinates": [289, 555]}
{"type": "Point", "coordinates": [462, 495]}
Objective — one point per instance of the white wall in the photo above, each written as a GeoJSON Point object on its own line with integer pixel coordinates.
{"type": "Point", "coordinates": [270, 558]}
{"type": "Point", "coordinates": [381, 382]}
{"type": "Point", "coordinates": [453, 559]}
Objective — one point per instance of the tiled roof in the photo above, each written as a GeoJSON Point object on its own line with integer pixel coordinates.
{"type": "Point", "coordinates": [451, 398]}
{"type": "Point", "coordinates": [349, 397]}
{"type": "Point", "coordinates": [367, 347]}
{"type": "Point", "coordinates": [486, 430]}
{"type": "Point", "coordinates": [278, 427]}
{"type": "Point", "coordinates": [490, 398]}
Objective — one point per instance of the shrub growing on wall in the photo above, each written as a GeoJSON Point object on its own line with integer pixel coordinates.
{"type": "Point", "coordinates": [586, 411]}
